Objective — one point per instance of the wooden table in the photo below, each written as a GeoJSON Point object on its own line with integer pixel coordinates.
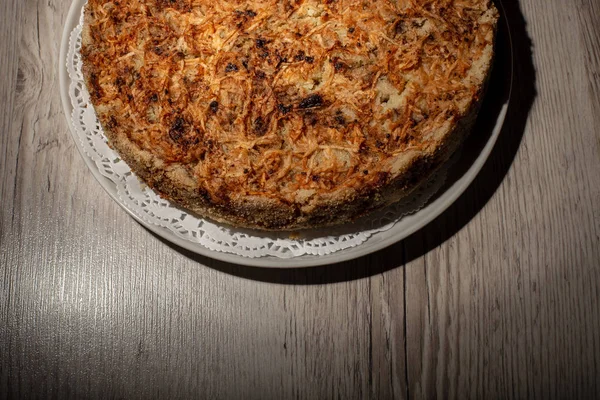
{"type": "Point", "coordinates": [497, 298]}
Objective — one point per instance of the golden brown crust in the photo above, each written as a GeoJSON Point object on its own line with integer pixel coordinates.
{"type": "Point", "coordinates": [286, 114]}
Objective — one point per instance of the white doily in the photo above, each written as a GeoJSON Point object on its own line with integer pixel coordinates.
{"type": "Point", "coordinates": [149, 207]}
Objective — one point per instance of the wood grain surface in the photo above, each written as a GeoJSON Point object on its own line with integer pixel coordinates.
{"type": "Point", "coordinates": [499, 297]}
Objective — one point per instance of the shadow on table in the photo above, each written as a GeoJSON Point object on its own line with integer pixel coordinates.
{"type": "Point", "coordinates": [466, 206]}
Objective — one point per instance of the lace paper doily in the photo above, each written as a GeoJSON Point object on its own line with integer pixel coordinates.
{"type": "Point", "coordinates": [151, 208]}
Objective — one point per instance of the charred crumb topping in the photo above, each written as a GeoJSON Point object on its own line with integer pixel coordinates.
{"type": "Point", "coordinates": [273, 97]}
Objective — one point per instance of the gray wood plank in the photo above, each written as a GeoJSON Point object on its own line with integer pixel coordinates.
{"type": "Point", "coordinates": [497, 298]}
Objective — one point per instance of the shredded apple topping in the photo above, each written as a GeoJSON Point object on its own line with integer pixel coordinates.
{"type": "Point", "coordinates": [274, 98]}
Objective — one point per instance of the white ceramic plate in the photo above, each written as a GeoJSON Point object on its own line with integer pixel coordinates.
{"type": "Point", "coordinates": [475, 152]}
